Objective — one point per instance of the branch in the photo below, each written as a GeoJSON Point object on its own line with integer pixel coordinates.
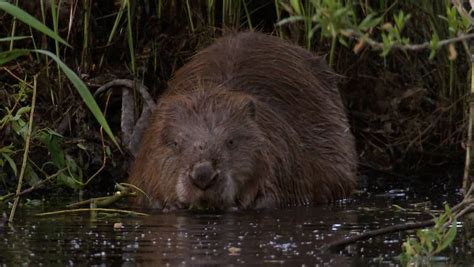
{"type": "Point", "coordinates": [339, 243]}
{"type": "Point", "coordinates": [464, 207]}
{"type": "Point", "coordinates": [463, 11]}
{"type": "Point", "coordinates": [99, 202]}
{"type": "Point", "coordinates": [412, 47]}
{"type": "Point", "coordinates": [131, 131]}
{"type": "Point", "coordinates": [40, 184]}
{"type": "Point", "coordinates": [91, 210]}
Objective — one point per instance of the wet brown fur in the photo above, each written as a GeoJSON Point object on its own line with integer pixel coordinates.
{"type": "Point", "coordinates": [303, 152]}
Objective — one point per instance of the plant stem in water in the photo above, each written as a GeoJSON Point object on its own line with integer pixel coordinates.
{"type": "Point", "coordinates": [25, 154]}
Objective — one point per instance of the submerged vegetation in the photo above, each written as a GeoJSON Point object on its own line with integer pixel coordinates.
{"type": "Point", "coordinates": [404, 69]}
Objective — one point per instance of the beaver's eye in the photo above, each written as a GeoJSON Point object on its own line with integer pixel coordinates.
{"type": "Point", "coordinates": [175, 143]}
{"type": "Point", "coordinates": [231, 144]}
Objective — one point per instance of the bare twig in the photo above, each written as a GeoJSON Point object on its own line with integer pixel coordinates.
{"type": "Point", "coordinates": [39, 184]}
{"type": "Point", "coordinates": [131, 132]}
{"type": "Point", "coordinates": [104, 155]}
{"type": "Point", "coordinates": [123, 192]}
{"type": "Point", "coordinates": [142, 89]}
{"type": "Point", "coordinates": [91, 210]}
{"type": "Point", "coordinates": [464, 207]}
{"type": "Point", "coordinates": [382, 231]}
{"type": "Point", "coordinates": [25, 153]}
{"type": "Point", "coordinates": [467, 177]}
{"type": "Point", "coordinates": [411, 47]}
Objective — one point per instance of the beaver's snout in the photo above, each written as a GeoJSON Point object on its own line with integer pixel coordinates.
{"type": "Point", "coordinates": [203, 175]}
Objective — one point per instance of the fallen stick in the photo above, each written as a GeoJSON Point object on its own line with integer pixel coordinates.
{"type": "Point", "coordinates": [464, 207]}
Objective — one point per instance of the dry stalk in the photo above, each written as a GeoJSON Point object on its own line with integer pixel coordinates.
{"type": "Point", "coordinates": [25, 153]}
{"type": "Point", "coordinates": [467, 179]}
{"type": "Point", "coordinates": [91, 210]}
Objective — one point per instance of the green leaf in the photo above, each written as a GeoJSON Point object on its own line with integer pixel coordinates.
{"type": "Point", "coordinates": [81, 146]}
{"type": "Point", "coordinates": [80, 86]}
{"type": "Point", "coordinates": [30, 20]}
{"type": "Point", "coordinates": [434, 44]}
{"type": "Point", "coordinates": [20, 127]}
{"type": "Point", "coordinates": [466, 23]}
{"type": "Point", "coordinates": [387, 45]}
{"type": "Point", "coordinates": [73, 167]}
{"type": "Point", "coordinates": [53, 142]}
{"type": "Point", "coordinates": [447, 209]}
{"type": "Point", "coordinates": [369, 22]}
{"type": "Point", "coordinates": [108, 152]}
{"type": "Point", "coordinates": [291, 19]}
{"type": "Point", "coordinates": [14, 38]}
{"type": "Point", "coordinates": [84, 92]}
{"type": "Point", "coordinates": [441, 220]}
{"type": "Point", "coordinates": [429, 238]}
{"type": "Point", "coordinates": [295, 4]}
{"type": "Point", "coordinates": [343, 41]}
{"type": "Point", "coordinates": [342, 12]}
{"type": "Point", "coordinates": [398, 207]}
{"type": "Point", "coordinates": [20, 112]}
{"type": "Point", "coordinates": [11, 163]}
{"type": "Point", "coordinates": [7, 149]}
{"type": "Point", "coordinates": [400, 20]}
{"type": "Point", "coordinates": [69, 181]}
{"type": "Point", "coordinates": [448, 238]}
{"type": "Point", "coordinates": [408, 248]}
{"type": "Point", "coordinates": [31, 176]}
{"type": "Point", "coordinates": [5, 152]}
{"type": "Point", "coordinates": [7, 56]}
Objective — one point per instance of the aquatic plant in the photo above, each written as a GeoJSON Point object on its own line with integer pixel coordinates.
{"type": "Point", "coordinates": [429, 242]}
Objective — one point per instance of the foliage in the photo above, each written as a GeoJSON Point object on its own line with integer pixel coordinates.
{"type": "Point", "coordinates": [69, 172]}
{"type": "Point", "coordinates": [430, 242]}
{"type": "Point", "coordinates": [333, 19]}
{"type": "Point", "coordinates": [6, 153]}
{"type": "Point", "coordinates": [72, 175]}
{"type": "Point", "coordinates": [18, 124]}
{"type": "Point", "coordinates": [30, 20]}
{"type": "Point", "coordinates": [340, 20]}
{"type": "Point", "coordinates": [82, 89]}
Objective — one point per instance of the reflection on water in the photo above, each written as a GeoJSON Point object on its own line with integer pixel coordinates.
{"type": "Point", "coordinates": [289, 236]}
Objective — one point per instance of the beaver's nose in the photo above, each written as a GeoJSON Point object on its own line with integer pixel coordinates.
{"type": "Point", "coordinates": [203, 175]}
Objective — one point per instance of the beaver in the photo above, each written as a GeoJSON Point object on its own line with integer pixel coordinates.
{"type": "Point", "coordinates": [250, 122]}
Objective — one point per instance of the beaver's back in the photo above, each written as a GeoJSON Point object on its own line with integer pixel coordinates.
{"type": "Point", "coordinates": [297, 86]}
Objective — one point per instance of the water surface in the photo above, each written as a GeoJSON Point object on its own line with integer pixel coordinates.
{"type": "Point", "coordinates": [289, 236]}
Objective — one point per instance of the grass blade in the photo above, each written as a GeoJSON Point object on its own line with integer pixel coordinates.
{"type": "Point", "coordinates": [80, 86]}
{"type": "Point", "coordinates": [14, 38]}
{"type": "Point", "coordinates": [30, 20]}
{"type": "Point", "coordinates": [130, 38]}
{"type": "Point", "coordinates": [11, 55]}
{"type": "Point", "coordinates": [84, 92]}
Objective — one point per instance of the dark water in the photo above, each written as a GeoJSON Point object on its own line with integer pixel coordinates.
{"type": "Point", "coordinates": [271, 237]}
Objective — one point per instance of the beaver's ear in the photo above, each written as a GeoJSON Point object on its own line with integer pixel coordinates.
{"type": "Point", "coordinates": [251, 108]}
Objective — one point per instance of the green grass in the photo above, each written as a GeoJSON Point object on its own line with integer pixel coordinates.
{"type": "Point", "coordinates": [80, 86]}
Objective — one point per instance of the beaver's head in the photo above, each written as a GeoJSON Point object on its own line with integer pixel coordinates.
{"type": "Point", "coordinates": [214, 140]}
